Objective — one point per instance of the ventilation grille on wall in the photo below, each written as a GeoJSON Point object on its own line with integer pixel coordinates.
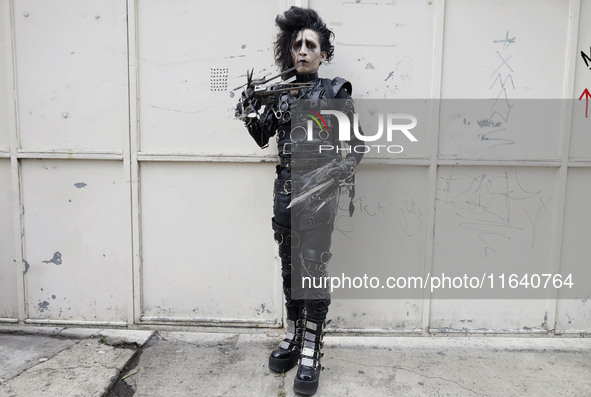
{"type": "Point", "coordinates": [219, 79]}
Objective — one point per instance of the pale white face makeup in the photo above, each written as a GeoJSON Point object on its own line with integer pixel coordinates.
{"type": "Point", "coordinates": [306, 48]}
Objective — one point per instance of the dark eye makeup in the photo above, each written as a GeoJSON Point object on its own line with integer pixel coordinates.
{"type": "Point", "coordinates": [298, 44]}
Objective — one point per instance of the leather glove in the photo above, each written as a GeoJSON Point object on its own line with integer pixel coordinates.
{"type": "Point", "coordinates": [343, 170]}
{"type": "Point", "coordinates": [250, 97]}
{"type": "Point", "coordinates": [239, 109]}
{"type": "Point", "coordinates": [248, 105]}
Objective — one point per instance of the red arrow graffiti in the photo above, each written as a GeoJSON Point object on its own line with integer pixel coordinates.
{"type": "Point", "coordinates": [587, 95]}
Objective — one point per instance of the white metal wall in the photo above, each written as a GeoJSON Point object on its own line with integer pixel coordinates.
{"type": "Point", "coordinates": [129, 195]}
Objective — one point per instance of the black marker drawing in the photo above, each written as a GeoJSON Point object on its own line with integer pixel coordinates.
{"type": "Point", "coordinates": [501, 107]}
{"type": "Point", "coordinates": [493, 206]}
{"type": "Point", "coordinates": [412, 216]}
{"type": "Point", "coordinates": [507, 41]}
{"type": "Point", "coordinates": [586, 58]}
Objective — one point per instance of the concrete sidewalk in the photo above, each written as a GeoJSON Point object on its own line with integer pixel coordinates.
{"type": "Point", "coordinates": [82, 362]}
{"type": "Point", "coordinates": [48, 361]}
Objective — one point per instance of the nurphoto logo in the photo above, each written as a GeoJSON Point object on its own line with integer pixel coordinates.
{"type": "Point", "coordinates": [345, 131]}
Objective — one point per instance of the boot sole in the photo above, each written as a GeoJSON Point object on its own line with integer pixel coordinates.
{"type": "Point", "coordinates": [282, 365]}
{"type": "Point", "coordinates": [306, 388]}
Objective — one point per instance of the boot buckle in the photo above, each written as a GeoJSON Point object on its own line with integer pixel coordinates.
{"type": "Point", "coordinates": [307, 362]}
{"type": "Point", "coordinates": [284, 345]}
{"type": "Point", "coordinates": [306, 351]}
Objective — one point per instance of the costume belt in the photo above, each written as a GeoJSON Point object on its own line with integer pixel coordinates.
{"type": "Point", "coordinates": [285, 235]}
{"type": "Point", "coordinates": [285, 186]}
{"type": "Point", "coordinates": [311, 148]}
{"type": "Point", "coordinates": [289, 162]}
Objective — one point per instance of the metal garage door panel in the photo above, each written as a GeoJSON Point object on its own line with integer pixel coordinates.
{"type": "Point", "coordinates": [83, 49]}
{"type": "Point", "coordinates": [191, 56]}
{"type": "Point", "coordinates": [493, 220]}
{"type": "Point", "coordinates": [376, 314]}
{"type": "Point", "coordinates": [8, 276]}
{"type": "Point", "coordinates": [489, 52]}
{"type": "Point", "coordinates": [575, 314]}
{"type": "Point", "coordinates": [453, 315]}
{"type": "Point", "coordinates": [77, 236]}
{"type": "Point", "coordinates": [207, 244]}
{"type": "Point", "coordinates": [580, 140]}
{"type": "Point", "coordinates": [476, 31]}
{"type": "Point", "coordinates": [383, 48]}
{"type": "Point", "coordinates": [384, 238]}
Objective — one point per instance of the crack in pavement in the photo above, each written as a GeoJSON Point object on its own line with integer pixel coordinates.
{"type": "Point", "coordinates": [53, 369]}
{"type": "Point", "coordinates": [180, 341]}
{"type": "Point", "coordinates": [414, 372]}
{"type": "Point", "coordinates": [230, 341]}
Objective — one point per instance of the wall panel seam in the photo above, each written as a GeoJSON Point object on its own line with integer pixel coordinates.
{"type": "Point", "coordinates": [17, 208]}
{"type": "Point", "coordinates": [437, 73]}
{"type": "Point", "coordinates": [569, 86]}
{"type": "Point", "coordinates": [131, 163]}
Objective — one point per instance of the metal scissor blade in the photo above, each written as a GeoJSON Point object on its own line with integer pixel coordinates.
{"type": "Point", "coordinates": [264, 81]}
{"type": "Point", "coordinates": [281, 74]}
{"type": "Point", "coordinates": [310, 192]}
{"type": "Point", "coordinates": [286, 89]}
{"type": "Point", "coordinates": [292, 78]}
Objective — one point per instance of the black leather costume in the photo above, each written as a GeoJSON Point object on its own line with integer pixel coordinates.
{"type": "Point", "coordinates": [304, 236]}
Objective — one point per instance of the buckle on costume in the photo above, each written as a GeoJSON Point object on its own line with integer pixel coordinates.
{"type": "Point", "coordinates": [286, 116]}
{"type": "Point", "coordinates": [286, 162]}
{"type": "Point", "coordinates": [306, 351]}
{"type": "Point", "coordinates": [307, 362]}
{"type": "Point", "coordinates": [315, 267]}
{"type": "Point", "coordinates": [287, 186]}
{"type": "Point", "coordinates": [278, 236]}
{"type": "Point", "coordinates": [287, 148]}
{"type": "Point", "coordinates": [295, 134]}
{"type": "Point", "coordinates": [284, 345]}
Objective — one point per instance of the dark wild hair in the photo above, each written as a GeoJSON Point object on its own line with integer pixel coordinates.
{"type": "Point", "coordinates": [293, 21]}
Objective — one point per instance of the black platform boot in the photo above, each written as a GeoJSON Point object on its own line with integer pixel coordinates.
{"type": "Point", "coordinates": [306, 380]}
{"type": "Point", "coordinates": [286, 356]}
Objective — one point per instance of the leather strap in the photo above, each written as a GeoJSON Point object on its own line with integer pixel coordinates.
{"type": "Point", "coordinates": [289, 162]}
{"type": "Point", "coordinates": [283, 186]}
{"type": "Point", "coordinates": [290, 148]}
{"type": "Point", "coordinates": [284, 235]}
{"type": "Point", "coordinates": [317, 256]}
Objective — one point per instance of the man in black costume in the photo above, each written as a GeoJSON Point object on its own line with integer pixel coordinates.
{"type": "Point", "coordinates": [303, 231]}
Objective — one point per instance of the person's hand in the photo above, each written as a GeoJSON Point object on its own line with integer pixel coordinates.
{"type": "Point", "coordinates": [250, 97]}
{"type": "Point", "coordinates": [343, 170]}
{"type": "Point", "coordinates": [248, 105]}
{"type": "Point", "coordinates": [239, 109]}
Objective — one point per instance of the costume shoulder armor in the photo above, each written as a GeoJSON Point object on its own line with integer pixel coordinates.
{"type": "Point", "coordinates": [338, 83]}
